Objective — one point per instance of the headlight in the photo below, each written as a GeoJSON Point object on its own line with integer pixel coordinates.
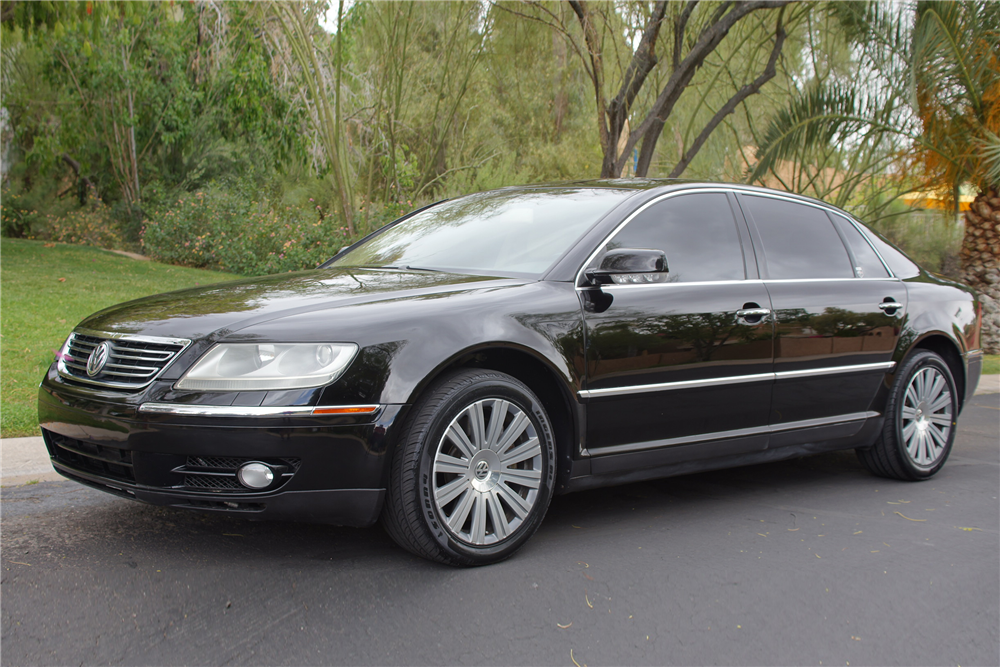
{"type": "Point", "coordinates": [250, 367]}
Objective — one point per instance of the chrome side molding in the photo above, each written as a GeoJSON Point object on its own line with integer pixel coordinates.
{"type": "Point", "coordinates": [738, 433]}
{"type": "Point", "coordinates": [886, 366]}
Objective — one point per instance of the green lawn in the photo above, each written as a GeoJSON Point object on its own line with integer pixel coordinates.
{"type": "Point", "coordinates": [991, 364]}
{"type": "Point", "coordinates": [46, 291]}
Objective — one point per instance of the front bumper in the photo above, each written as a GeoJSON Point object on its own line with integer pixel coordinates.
{"type": "Point", "coordinates": [333, 468]}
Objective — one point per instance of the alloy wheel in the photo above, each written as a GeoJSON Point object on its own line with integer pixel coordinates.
{"type": "Point", "coordinates": [926, 416]}
{"type": "Point", "coordinates": [487, 472]}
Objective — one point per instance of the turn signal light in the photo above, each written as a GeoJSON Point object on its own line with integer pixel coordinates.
{"type": "Point", "coordinates": [352, 410]}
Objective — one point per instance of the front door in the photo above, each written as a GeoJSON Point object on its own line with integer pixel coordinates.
{"type": "Point", "coordinates": [682, 361]}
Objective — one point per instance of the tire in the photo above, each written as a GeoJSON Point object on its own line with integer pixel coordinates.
{"type": "Point", "coordinates": [466, 489]}
{"type": "Point", "coordinates": [920, 419]}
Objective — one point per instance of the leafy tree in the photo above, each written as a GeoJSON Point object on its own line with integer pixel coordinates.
{"type": "Point", "coordinates": [620, 73]}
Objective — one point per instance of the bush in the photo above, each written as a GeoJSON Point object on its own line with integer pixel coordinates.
{"type": "Point", "coordinates": [17, 216]}
{"type": "Point", "coordinates": [220, 230]}
{"type": "Point", "coordinates": [93, 225]}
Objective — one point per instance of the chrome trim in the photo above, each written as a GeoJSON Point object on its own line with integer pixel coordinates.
{"type": "Point", "coordinates": [736, 433]}
{"type": "Point", "coordinates": [670, 386]}
{"type": "Point", "coordinates": [61, 364]}
{"type": "Point", "coordinates": [823, 421]}
{"type": "Point", "coordinates": [973, 353]}
{"type": "Point", "coordinates": [828, 280]}
{"type": "Point", "coordinates": [733, 379]}
{"type": "Point", "coordinates": [246, 410]}
{"type": "Point", "coordinates": [887, 305]}
{"type": "Point", "coordinates": [750, 281]}
{"type": "Point", "coordinates": [161, 340]}
{"type": "Point", "coordinates": [834, 370]}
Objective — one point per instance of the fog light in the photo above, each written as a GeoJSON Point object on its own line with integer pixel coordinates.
{"type": "Point", "coordinates": [255, 475]}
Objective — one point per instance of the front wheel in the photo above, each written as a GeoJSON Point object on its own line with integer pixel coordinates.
{"type": "Point", "coordinates": [920, 421]}
{"type": "Point", "coordinates": [473, 473]}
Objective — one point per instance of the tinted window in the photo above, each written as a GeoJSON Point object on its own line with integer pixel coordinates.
{"type": "Point", "coordinates": [865, 259]}
{"type": "Point", "coordinates": [799, 241]}
{"type": "Point", "coordinates": [521, 232]}
{"type": "Point", "coordinates": [901, 265]}
{"type": "Point", "coordinates": [697, 232]}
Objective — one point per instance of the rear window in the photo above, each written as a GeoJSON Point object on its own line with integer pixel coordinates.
{"type": "Point", "coordinates": [901, 265]}
{"type": "Point", "coordinates": [867, 263]}
{"type": "Point", "coordinates": [800, 241]}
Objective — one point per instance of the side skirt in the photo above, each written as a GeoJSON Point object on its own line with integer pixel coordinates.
{"type": "Point", "coordinates": [676, 460]}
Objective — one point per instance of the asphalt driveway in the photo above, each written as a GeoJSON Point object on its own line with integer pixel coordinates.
{"type": "Point", "coordinates": [806, 562]}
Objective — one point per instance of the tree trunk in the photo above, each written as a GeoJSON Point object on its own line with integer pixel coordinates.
{"type": "Point", "coordinates": [981, 262]}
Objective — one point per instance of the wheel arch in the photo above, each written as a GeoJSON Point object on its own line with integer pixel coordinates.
{"type": "Point", "coordinates": [947, 349]}
{"type": "Point", "coordinates": [551, 387]}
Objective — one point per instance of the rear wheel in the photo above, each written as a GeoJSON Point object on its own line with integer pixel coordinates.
{"type": "Point", "coordinates": [473, 474]}
{"type": "Point", "coordinates": [919, 421]}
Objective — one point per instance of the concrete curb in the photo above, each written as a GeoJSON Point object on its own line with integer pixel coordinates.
{"type": "Point", "coordinates": [24, 460]}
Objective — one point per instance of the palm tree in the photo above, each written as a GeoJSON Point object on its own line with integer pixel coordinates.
{"type": "Point", "coordinates": [956, 83]}
{"type": "Point", "coordinates": [939, 89]}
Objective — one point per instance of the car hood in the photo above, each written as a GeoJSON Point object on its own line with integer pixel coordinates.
{"type": "Point", "coordinates": [224, 308]}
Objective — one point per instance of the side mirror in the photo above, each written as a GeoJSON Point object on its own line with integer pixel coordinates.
{"type": "Point", "coordinates": [625, 266]}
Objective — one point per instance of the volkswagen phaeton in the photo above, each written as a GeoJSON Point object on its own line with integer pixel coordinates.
{"type": "Point", "coordinates": [453, 370]}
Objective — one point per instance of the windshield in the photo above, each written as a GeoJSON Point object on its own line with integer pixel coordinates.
{"type": "Point", "coordinates": [499, 233]}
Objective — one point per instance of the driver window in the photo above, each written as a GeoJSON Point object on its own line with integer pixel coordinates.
{"type": "Point", "coordinates": [697, 232]}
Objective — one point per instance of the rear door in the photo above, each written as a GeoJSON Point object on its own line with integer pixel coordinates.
{"type": "Point", "coordinates": [837, 311]}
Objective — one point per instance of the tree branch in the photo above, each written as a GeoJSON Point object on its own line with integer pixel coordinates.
{"type": "Point", "coordinates": [642, 63]}
{"type": "Point", "coordinates": [746, 91]}
{"type": "Point", "coordinates": [651, 127]}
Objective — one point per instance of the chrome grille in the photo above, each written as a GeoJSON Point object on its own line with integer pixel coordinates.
{"type": "Point", "coordinates": [133, 361]}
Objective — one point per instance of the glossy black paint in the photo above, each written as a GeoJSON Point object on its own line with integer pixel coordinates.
{"type": "Point", "coordinates": [821, 325]}
{"type": "Point", "coordinates": [676, 333]}
{"type": "Point", "coordinates": [560, 334]}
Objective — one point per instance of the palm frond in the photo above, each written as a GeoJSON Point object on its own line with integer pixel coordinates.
{"type": "Point", "coordinates": [991, 158]}
{"type": "Point", "coordinates": [826, 115]}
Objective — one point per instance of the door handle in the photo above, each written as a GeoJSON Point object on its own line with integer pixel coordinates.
{"type": "Point", "coordinates": [890, 306]}
{"type": "Point", "coordinates": [752, 315]}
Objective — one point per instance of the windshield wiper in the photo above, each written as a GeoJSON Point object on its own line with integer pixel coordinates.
{"type": "Point", "coordinates": [407, 267]}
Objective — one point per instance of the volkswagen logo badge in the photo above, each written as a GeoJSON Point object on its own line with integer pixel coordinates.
{"type": "Point", "coordinates": [482, 470]}
{"type": "Point", "coordinates": [98, 359]}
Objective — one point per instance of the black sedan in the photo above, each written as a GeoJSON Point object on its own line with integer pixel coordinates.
{"type": "Point", "coordinates": [454, 369]}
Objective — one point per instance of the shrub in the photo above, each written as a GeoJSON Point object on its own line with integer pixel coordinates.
{"type": "Point", "coordinates": [93, 225]}
{"type": "Point", "coordinates": [219, 230]}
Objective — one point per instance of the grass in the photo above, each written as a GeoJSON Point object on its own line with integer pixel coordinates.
{"type": "Point", "coordinates": [991, 364]}
{"type": "Point", "coordinates": [46, 290]}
